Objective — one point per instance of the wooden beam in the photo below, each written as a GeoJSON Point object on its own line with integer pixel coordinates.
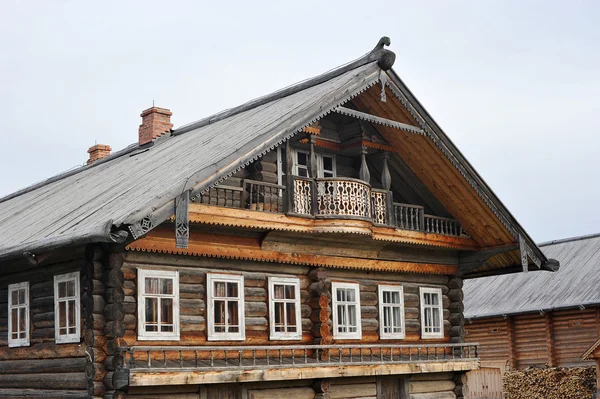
{"type": "Point", "coordinates": [379, 120]}
{"type": "Point", "coordinates": [474, 260]}
{"type": "Point", "coordinates": [248, 248]}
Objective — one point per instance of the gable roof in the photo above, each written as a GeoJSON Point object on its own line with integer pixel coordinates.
{"type": "Point", "coordinates": [575, 284]}
{"type": "Point", "coordinates": [138, 185]}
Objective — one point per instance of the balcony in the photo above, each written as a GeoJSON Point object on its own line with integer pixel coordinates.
{"type": "Point", "coordinates": [331, 198]}
{"type": "Point", "coordinates": [207, 364]}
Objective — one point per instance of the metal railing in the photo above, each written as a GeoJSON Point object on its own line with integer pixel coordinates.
{"type": "Point", "coordinates": [169, 358]}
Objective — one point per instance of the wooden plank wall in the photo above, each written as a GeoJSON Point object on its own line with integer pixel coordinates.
{"type": "Point", "coordinates": [424, 386]}
{"type": "Point", "coordinates": [193, 296]}
{"type": "Point", "coordinates": [44, 368]}
{"type": "Point", "coordinates": [556, 338]}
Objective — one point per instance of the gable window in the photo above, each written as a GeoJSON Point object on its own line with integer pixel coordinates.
{"type": "Point", "coordinates": [67, 314]}
{"type": "Point", "coordinates": [225, 307]}
{"type": "Point", "coordinates": [158, 304]}
{"type": "Point", "coordinates": [432, 317]}
{"type": "Point", "coordinates": [346, 311]}
{"type": "Point", "coordinates": [300, 165]}
{"type": "Point", "coordinates": [326, 165]}
{"type": "Point", "coordinates": [284, 308]}
{"type": "Point", "coordinates": [18, 314]}
{"type": "Point", "coordinates": [391, 312]}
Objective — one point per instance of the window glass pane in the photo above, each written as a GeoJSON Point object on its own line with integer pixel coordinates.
{"type": "Point", "coordinates": [72, 330]}
{"type": "Point", "coordinates": [62, 313]}
{"type": "Point", "coordinates": [152, 310]}
{"type": "Point", "coordinates": [71, 311]}
{"type": "Point", "coordinates": [70, 288]}
{"type": "Point", "coordinates": [234, 329]}
{"type": "Point", "coordinates": [151, 286]}
{"type": "Point", "coordinates": [278, 313]}
{"type": "Point", "coordinates": [278, 291]}
{"type": "Point", "coordinates": [327, 174]}
{"type": "Point", "coordinates": [341, 315]}
{"type": "Point", "coordinates": [386, 318]}
{"type": "Point", "coordinates": [435, 299]}
{"type": "Point", "coordinates": [151, 327]}
{"type": "Point", "coordinates": [351, 295]}
{"type": "Point", "coordinates": [166, 314]}
{"type": "Point", "coordinates": [14, 319]}
{"type": "Point", "coordinates": [14, 298]}
{"type": "Point", "coordinates": [22, 319]}
{"type": "Point", "coordinates": [352, 315]}
{"type": "Point", "coordinates": [327, 163]}
{"type": "Point", "coordinates": [62, 290]}
{"type": "Point", "coordinates": [395, 297]}
{"type": "Point", "coordinates": [340, 295]}
{"type": "Point", "coordinates": [396, 317]}
{"type": "Point", "coordinates": [219, 314]}
{"type": "Point", "coordinates": [290, 292]}
{"type": "Point", "coordinates": [436, 319]}
{"type": "Point", "coordinates": [386, 297]}
{"type": "Point", "coordinates": [232, 313]}
{"type": "Point", "coordinates": [302, 172]}
{"type": "Point", "coordinates": [219, 289]}
{"type": "Point", "coordinates": [166, 328]}
{"type": "Point", "coordinates": [302, 158]}
{"type": "Point", "coordinates": [166, 286]}
{"type": "Point", "coordinates": [21, 296]}
{"type": "Point", "coordinates": [232, 290]}
{"type": "Point", "coordinates": [291, 313]}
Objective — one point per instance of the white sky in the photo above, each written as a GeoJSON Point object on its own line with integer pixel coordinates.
{"type": "Point", "coordinates": [515, 84]}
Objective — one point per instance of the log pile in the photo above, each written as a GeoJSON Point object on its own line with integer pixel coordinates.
{"type": "Point", "coordinates": [550, 383]}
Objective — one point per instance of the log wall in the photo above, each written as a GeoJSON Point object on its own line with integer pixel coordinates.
{"type": "Point", "coordinates": [315, 289]}
{"type": "Point", "coordinates": [555, 338]}
{"type": "Point", "coordinates": [43, 369]}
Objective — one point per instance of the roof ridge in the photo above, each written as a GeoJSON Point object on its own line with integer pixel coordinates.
{"type": "Point", "coordinates": [569, 239]}
{"type": "Point", "coordinates": [384, 57]}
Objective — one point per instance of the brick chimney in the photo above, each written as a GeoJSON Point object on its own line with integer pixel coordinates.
{"type": "Point", "coordinates": [155, 122]}
{"type": "Point", "coordinates": [97, 152]}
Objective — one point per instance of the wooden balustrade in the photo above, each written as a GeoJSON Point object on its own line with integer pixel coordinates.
{"type": "Point", "coordinates": [442, 225]}
{"type": "Point", "coordinates": [171, 358]}
{"type": "Point", "coordinates": [261, 196]}
{"type": "Point", "coordinates": [335, 198]}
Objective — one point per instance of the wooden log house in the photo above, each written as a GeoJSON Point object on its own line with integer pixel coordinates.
{"type": "Point", "coordinates": [311, 243]}
{"type": "Point", "coordinates": [538, 319]}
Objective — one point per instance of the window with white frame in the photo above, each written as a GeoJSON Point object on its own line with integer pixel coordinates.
{"type": "Point", "coordinates": [301, 160]}
{"type": "Point", "coordinates": [326, 165]}
{"type": "Point", "coordinates": [158, 304]}
{"type": "Point", "coordinates": [284, 308]}
{"type": "Point", "coordinates": [391, 312]}
{"type": "Point", "coordinates": [346, 311]}
{"type": "Point", "coordinates": [225, 307]}
{"type": "Point", "coordinates": [67, 314]}
{"type": "Point", "coordinates": [432, 315]}
{"type": "Point", "coordinates": [18, 314]}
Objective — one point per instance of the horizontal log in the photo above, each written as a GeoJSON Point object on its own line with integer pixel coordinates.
{"type": "Point", "coordinates": [353, 391]}
{"type": "Point", "coordinates": [45, 380]}
{"type": "Point", "coordinates": [456, 295]}
{"type": "Point", "coordinates": [367, 312]}
{"type": "Point", "coordinates": [43, 393]}
{"type": "Point", "coordinates": [192, 291]}
{"type": "Point", "coordinates": [114, 295]}
{"type": "Point", "coordinates": [47, 333]}
{"type": "Point", "coordinates": [129, 288]}
{"type": "Point", "coordinates": [433, 395]}
{"type": "Point", "coordinates": [130, 322]}
{"type": "Point", "coordinates": [115, 260]}
{"type": "Point", "coordinates": [42, 289]}
{"type": "Point", "coordinates": [257, 323]}
{"type": "Point", "coordinates": [368, 299]}
{"type": "Point", "coordinates": [193, 307]}
{"type": "Point", "coordinates": [253, 309]}
{"type": "Point", "coordinates": [430, 386]}
{"type": "Point", "coordinates": [369, 324]}
{"type": "Point", "coordinates": [42, 351]}
{"type": "Point", "coordinates": [255, 294]}
{"type": "Point", "coordinates": [64, 365]}
{"type": "Point", "coordinates": [411, 300]}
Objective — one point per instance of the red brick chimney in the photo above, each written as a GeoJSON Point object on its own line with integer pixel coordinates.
{"type": "Point", "coordinates": [97, 152]}
{"type": "Point", "coordinates": [155, 122]}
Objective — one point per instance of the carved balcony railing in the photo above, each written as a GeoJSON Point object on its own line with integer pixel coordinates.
{"type": "Point", "coordinates": [209, 358]}
{"type": "Point", "coordinates": [335, 198]}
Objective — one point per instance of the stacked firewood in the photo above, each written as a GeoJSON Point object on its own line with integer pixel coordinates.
{"type": "Point", "coordinates": [550, 383]}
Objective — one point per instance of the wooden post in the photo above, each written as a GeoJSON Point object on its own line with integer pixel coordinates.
{"type": "Point", "coordinates": [386, 177]}
{"type": "Point", "coordinates": [550, 340]}
{"type": "Point", "coordinates": [364, 174]}
{"type": "Point", "coordinates": [289, 179]}
{"type": "Point", "coordinates": [512, 358]}
{"type": "Point", "coordinates": [312, 164]}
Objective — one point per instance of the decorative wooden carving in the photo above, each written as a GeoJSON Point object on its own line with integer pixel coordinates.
{"type": "Point", "coordinates": [383, 80]}
{"type": "Point", "coordinates": [386, 177]}
{"type": "Point", "coordinates": [523, 250]}
{"type": "Point", "coordinates": [343, 198]}
{"type": "Point", "coordinates": [182, 228]}
{"type": "Point", "coordinates": [364, 174]}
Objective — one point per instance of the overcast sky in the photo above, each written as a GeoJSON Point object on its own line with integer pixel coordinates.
{"type": "Point", "coordinates": [515, 84]}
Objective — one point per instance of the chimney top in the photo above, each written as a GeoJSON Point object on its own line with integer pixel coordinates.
{"type": "Point", "coordinates": [97, 152]}
{"type": "Point", "coordinates": [156, 121]}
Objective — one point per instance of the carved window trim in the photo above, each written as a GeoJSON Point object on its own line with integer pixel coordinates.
{"type": "Point", "coordinates": [144, 335]}
{"type": "Point", "coordinates": [440, 306]}
{"type": "Point", "coordinates": [212, 335]}
{"type": "Point", "coordinates": [382, 289]}
{"type": "Point", "coordinates": [15, 342]}
{"type": "Point", "coordinates": [335, 286]}
{"type": "Point", "coordinates": [280, 335]}
{"type": "Point", "coordinates": [69, 337]}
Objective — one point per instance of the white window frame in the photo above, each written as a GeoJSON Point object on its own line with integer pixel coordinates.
{"type": "Point", "coordinates": [438, 291]}
{"type": "Point", "coordinates": [391, 288]}
{"type": "Point", "coordinates": [295, 163]}
{"type": "Point", "coordinates": [280, 335]}
{"type": "Point", "coordinates": [144, 335]}
{"type": "Point", "coordinates": [346, 335]}
{"type": "Point", "coordinates": [225, 336]}
{"type": "Point", "coordinates": [14, 342]}
{"type": "Point", "coordinates": [321, 165]}
{"type": "Point", "coordinates": [67, 338]}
